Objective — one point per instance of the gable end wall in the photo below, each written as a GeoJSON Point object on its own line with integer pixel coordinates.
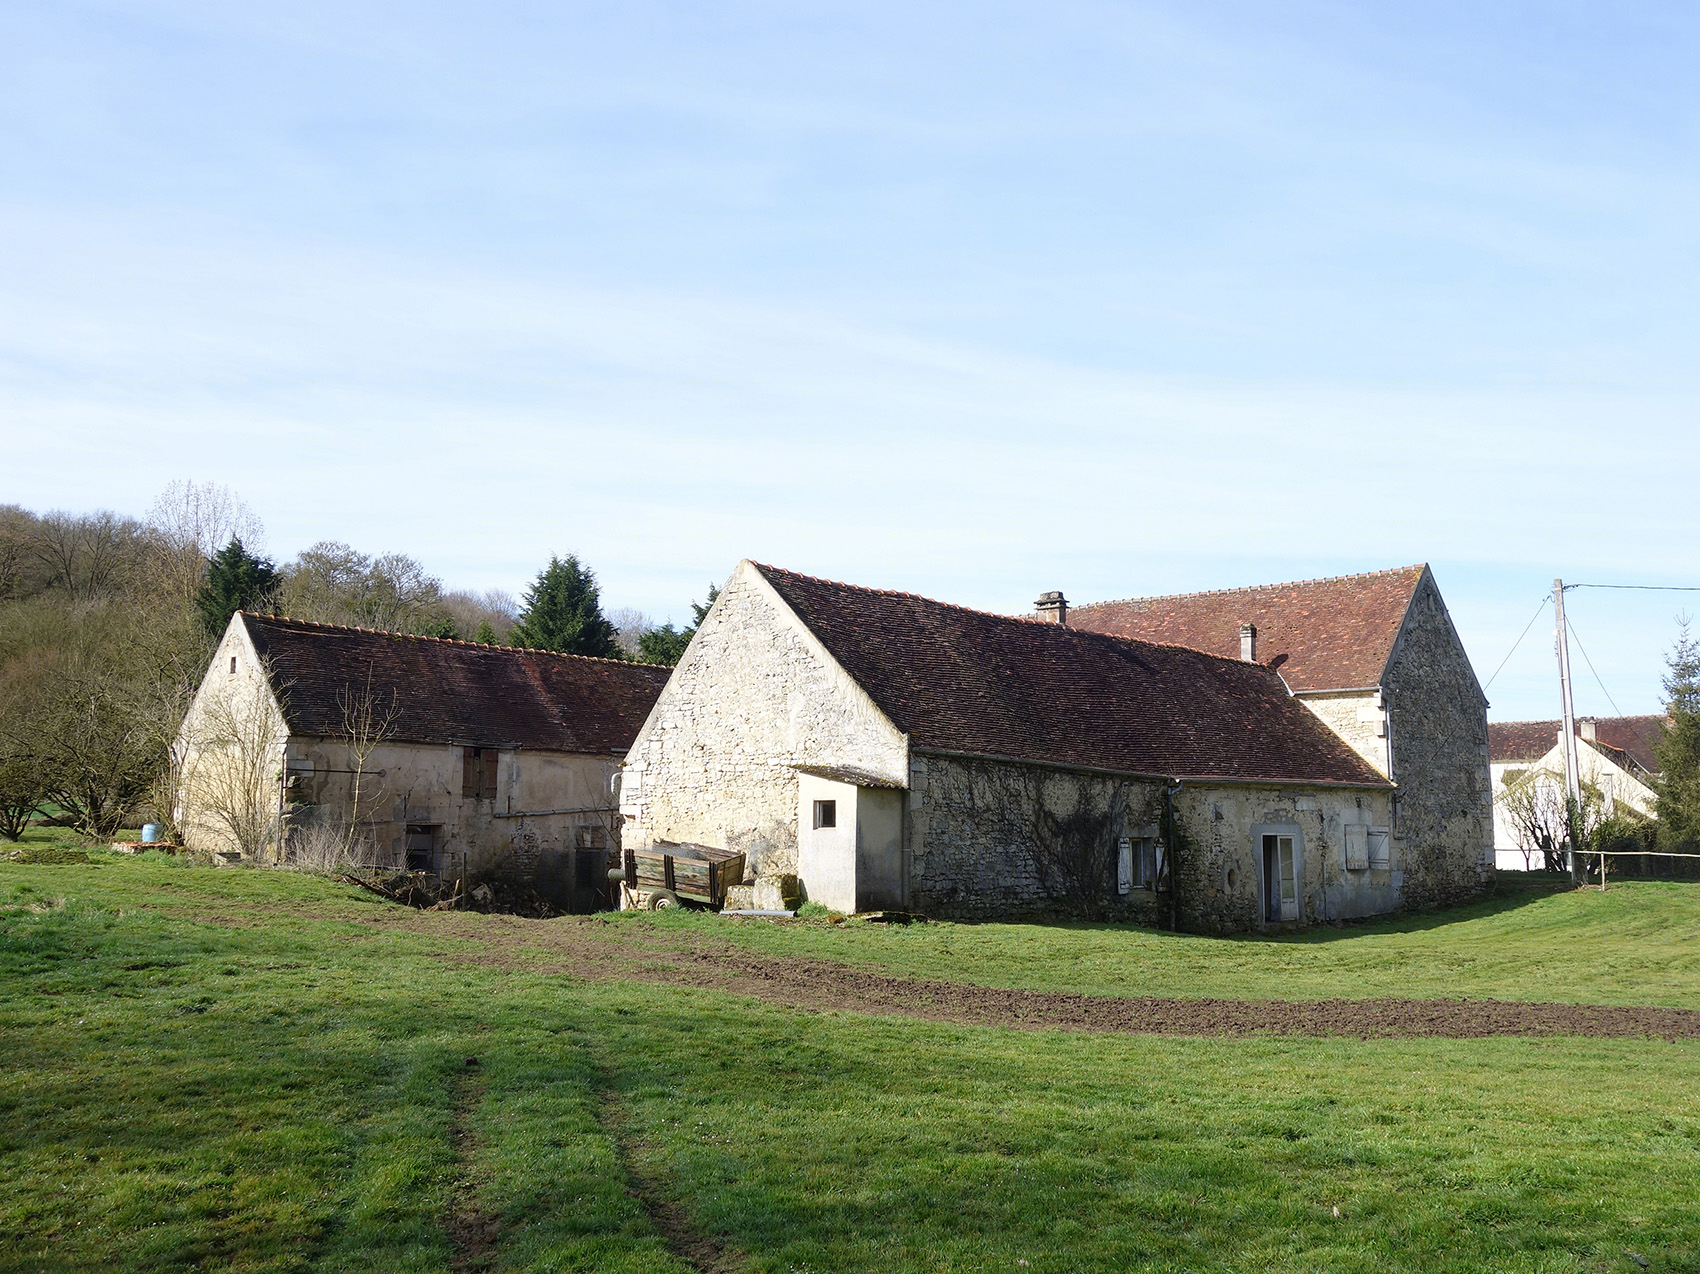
{"type": "Point", "coordinates": [1443, 832]}
{"type": "Point", "coordinates": [755, 697]}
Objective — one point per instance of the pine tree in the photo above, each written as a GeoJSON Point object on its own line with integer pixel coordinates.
{"type": "Point", "coordinates": [666, 645]}
{"type": "Point", "coordinates": [486, 635]}
{"type": "Point", "coordinates": [563, 611]}
{"type": "Point", "coordinates": [236, 580]}
{"type": "Point", "coordinates": [1678, 784]}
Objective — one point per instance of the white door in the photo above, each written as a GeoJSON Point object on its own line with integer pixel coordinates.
{"type": "Point", "coordinates": [1280, 879]}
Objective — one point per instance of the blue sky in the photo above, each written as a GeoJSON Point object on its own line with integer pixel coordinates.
{"type": "Point", "coordinates": [970, 300]}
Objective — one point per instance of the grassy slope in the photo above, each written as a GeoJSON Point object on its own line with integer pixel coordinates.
{"type": "Point", "coordinates": [230, 1070]}
{"type": "Point", "coordinates": [1639, 943]}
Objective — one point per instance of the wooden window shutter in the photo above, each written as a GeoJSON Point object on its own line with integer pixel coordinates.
{"type": "Point", "coordinates": [489, 790]}
{"type": "Point", "coordinates": [469, 772]}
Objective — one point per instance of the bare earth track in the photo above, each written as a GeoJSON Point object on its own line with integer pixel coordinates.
{"type": "Point", "coordinates": [586, 948]}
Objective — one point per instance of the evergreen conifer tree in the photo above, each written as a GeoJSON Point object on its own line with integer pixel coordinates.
{"type": "Point", "coordinates": [563, 611]}
{"type": "Point", "coordinates": [236, 580]}
{"type": "Point", "coordinates": [666, 644]}
{"type": "Point", "coordinates": [486, 635]}
{"type": "Point", "coordinates": [1678, 784]}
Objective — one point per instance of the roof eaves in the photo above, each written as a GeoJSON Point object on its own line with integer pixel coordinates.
{"type": "Point", "coordinates": [1075, 768]}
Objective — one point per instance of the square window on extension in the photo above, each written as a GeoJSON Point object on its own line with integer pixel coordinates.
{"type": "Point", "coordinates": [826, 814]}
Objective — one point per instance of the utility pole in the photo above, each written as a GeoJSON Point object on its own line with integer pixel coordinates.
{"type": "Point", "coordinates": [1572, 779]}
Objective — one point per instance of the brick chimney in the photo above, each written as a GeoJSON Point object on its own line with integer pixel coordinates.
{"type": "Point", "coordinates": [1248, 643]}
{"type": "Point", "coordinates": [1053, 608]}
{"type": "Point", "coordinates": [1589, 729]}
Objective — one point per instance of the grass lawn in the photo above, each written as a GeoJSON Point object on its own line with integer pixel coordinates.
{"type": "Point", "coordinates": [228, 1069]}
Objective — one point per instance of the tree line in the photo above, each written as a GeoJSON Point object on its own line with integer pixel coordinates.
{"type": "Point", "coordinates": [107, 624]}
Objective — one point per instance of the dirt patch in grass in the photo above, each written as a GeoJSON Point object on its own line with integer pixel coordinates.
{"type": "Point", "coordinates": [473, 1232]}
{"type": "Point", "coordinates": [594, 950]}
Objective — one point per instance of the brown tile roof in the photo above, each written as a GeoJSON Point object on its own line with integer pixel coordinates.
{"type": "Point", "coordinates": [455, 691]}
{"type": "Point", "coordinates": [959, 680]}
{"type": "Point", "coordinates": [1320, 634]}
{"type": "Point", "coordinates": [1634, 739]}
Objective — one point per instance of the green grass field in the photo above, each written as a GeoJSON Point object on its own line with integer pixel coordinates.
{"type": "Point", "coordinates": [227, 1069]}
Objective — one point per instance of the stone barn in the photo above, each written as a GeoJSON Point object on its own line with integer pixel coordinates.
{"type": "Point", "coordinates": [900, 753]}
{"type": "Point", "coordinates": [1377, 659]}
{"type": "Point", "coordinates": [410, 752]}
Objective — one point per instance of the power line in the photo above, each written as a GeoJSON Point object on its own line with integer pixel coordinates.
{"type": "Point", "coordinates": [1646, 588]}
{"type": "Point", "coordinates": [1590, 663]}
{"type": "Point", "coordinates": [1519, 642]}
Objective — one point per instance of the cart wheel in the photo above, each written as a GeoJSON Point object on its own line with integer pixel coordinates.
{"type": "Point", "coordinates": [663, 898]}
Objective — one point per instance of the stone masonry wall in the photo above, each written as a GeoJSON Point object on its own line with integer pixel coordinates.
{"type": "Point", "coordinates": [978, 848]}
{"type": "Point", "coordinates": [1443, 828]}
{"type": "Point", "coordinates": [754, 697]}
{"type": "Point", "coordinates": [1218, 864]}
{"type": "Point", "coordinates": [976, 838]}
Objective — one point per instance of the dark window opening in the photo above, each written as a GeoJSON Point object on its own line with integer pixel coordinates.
{"type": "Point", "coordinates": [826, 814]}
{"type": "Point", "coordinates": [421, 841]}
{"type": "Point", "coordinates": [478, 773]}
{"type": "Point", "coordinates": [233, 663]}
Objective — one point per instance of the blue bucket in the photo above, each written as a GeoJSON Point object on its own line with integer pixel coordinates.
{"type": "Point", "coordinates": [150, 833]}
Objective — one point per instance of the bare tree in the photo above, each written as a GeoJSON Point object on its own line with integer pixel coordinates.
{"type": "Point", "coordinates": [332, 583]}
{"type": "Point", "coordinates": [87, 556]}
{"type": "Point", "coordinates": [18, 557]}
{"type": "Point", "coordinates": [492, 613]}
{"type": "Point", "coordinates": [629, 627]}
{"type": "Point", "coordinates": [23, 782]}
{"type": "Point", "coordinates": [1536, 806]}
{"type": "Point", "coordinates": [367, 722]}
{"type": "Point", "coordinates": [189, 522]}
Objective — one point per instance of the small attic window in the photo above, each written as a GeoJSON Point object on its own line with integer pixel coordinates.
{"type": "Point", "coordinates": [233, 663]}
{"type": "Point", "coordinates": [826, 814]}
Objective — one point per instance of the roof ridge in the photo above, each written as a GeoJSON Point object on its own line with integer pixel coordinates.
{"type": "Point", "coordinates": [1014, 619]}
{"type": "Point", "coordinates": [1251, 588]}
{"type": "Point", "coordinates": [1632, 716]}
{"type": "Point", "coordinates": [448, 641]}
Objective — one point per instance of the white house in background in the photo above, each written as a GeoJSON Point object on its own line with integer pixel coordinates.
{"type": "Point", "coordinates": [1616, 755]}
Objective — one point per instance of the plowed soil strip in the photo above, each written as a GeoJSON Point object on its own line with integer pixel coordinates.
{"type": "Point", "coordinates": [594, 951]}
{"type": "Point", "coordinates": [822, 984]}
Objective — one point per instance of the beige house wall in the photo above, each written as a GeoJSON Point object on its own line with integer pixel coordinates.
{"type": "Point", "coordinates": [1357, 716]}
{"type": "Point", "coordinates": [541, 799]}
{"type": "Point", "coordinates": [229, 753]}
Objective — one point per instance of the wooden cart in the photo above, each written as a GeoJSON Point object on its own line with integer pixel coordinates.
{"type": "Point", "coordinates": [664, 874]}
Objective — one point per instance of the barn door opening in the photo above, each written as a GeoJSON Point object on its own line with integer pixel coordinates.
{"type": "Point", "coordinates": [1280, 879]}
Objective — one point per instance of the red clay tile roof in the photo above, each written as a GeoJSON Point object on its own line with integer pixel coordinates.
{"type": "Point", "coordinates": [1632, 738]}
{"type": "Point", "coordinates": [1320, 634]}
{"type": "Point", "coordinates": [959, 680]}
{"type": "Point", "coordinates": [455, 691]}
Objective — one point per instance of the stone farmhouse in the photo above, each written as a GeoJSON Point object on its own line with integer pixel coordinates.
{"type": "Point", "coordinates": [900, 753]}
{"type": "Point", "coordinates": [417, 752]}
{"type": "Point", "coordinates": [1616, 756]}
{"type": "Point", "coordinates": [1377, 659]}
